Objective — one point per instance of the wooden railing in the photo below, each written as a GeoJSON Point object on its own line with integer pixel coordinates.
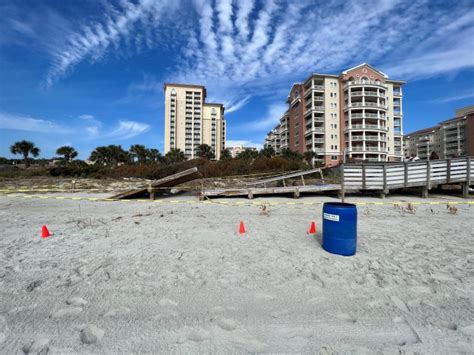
{"type": "Point", "coordinates": [425, 174]}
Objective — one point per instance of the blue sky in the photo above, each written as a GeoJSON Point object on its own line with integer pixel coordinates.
{"type": "Point", "coordinates": [89, 73]}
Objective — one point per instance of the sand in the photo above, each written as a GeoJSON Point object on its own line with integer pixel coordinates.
{"type": "Point", "coordinates": [177, 277]}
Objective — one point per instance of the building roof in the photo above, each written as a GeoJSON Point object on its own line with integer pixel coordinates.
{"type": "Point", "coordinates": [185, 85]}
{"type": "Point", "coordinates": [469, 115]}
{"type": "Point", "coordinates": [368, 65]}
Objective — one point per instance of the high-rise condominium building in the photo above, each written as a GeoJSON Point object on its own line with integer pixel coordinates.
{"type": "Point", "coordinates": [449, 139]}
{"type": "Point", "coordinates": [190, 121]}
{"type": "Point", "coordinates": [355, 115]}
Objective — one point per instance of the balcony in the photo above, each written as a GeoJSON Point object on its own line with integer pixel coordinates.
{"type": "Point", "coordinates": [366, 104]}
{"type": "Point", "coordinates": [367, 127]}
{"type": "Point", "coordinates": [453, 138]}
{"type": "Point", "coordinates": [315, 109]}
{"type": "Point", "coordinates": [365, 83]}
{"type": "Point", "coordinates": [315, 88]}
{"type": "Point", "coordinates": [367, 115]}
{"type": "Point", "coordinates": [397, 93]}
{"type": "Point", "coordinates": [318, 130]}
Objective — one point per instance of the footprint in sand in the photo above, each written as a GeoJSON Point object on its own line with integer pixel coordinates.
{"type": "Point", "coordinates": [399, 303]}
{"type": "Point", "coordinates": [448, 325]}
{"type": "Point", "coordinates": [76, 301]}
{"type": "Point", "coordinates": [198, 335]}
{"type": "Point", "coordinates": [165, 302]}
{"type": "Point", "coordinates": [66, 312]}
{"type": "Point", "coordinates": [91, 334]}
{"type": "Point", "coordinates": [121, 311]}
{"type": "Point", "coordinates": [3, 329]}
{"type": "Point", "coordinates": [227, 324]}
{"type": "Point", "coordinates": [346, 317]}
{"type": "Point", "coordinates": [249, 344]}
{"type": "Point", "coordinates": [37, 346]}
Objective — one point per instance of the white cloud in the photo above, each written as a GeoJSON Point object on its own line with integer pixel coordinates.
{"type": "Point", "coordinates": [87, 117]}
{"type": "Point", "coordinates": [274, 113]}
{"type": "Point", "coordinates": [92, 40]}
{"type": "Point", "coordinates": [26, 123]}
{"type": "Point", "coordinates": [128, 129]}
{"type": "Point", "coordinates": [232, 106]}
{"type": "Point", "coordinates": [454, 98]}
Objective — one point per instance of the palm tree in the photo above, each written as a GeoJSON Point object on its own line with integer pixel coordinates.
{"type": "Point", "coordinates": [174, 156]}
{"type": "Point", "coordinates": [68, 152]}
{"type": "Point", "coordinates": [205, 151]}
{"type": "Point", "coordinates": [154, 155]}
{"type": "Point", "coordinates": [248, 154]}
{"type": "Point", "coordinates": [226, 154]}
{"type": "Point", "coordinates": [111, 155]}
{"type": "Point", "coordinates": [25, 148]}
{"type": "Point", "coordinates": [139, 152]}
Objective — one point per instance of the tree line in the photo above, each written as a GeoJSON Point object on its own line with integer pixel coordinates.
{"type": "Point", "coordinates": [114, 155]}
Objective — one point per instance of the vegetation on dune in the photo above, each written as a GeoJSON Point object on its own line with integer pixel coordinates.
{"type": "Point", "coordinates": [142, 162]}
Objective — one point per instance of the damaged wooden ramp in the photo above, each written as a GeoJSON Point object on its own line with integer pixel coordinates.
{"type": "Point", "coordinates": [158, 185]}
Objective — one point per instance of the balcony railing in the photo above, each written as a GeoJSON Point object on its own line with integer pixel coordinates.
{"type": "Point", "coordinates": [365, 82]}
{"type": "Point", "coordinates": [314, 87]}
{"type": "Point", "coordinates": [368, 127]}
{"type": "Point", "coordinates": [367, 93]}
{"type": "Point", "coordinates": [367, 115]}
{"type": "Point", "coordinates": [366, 104]}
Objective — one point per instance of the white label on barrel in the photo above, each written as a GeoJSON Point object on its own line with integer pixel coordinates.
{"type": "Point", "coordinates": [331, 217]}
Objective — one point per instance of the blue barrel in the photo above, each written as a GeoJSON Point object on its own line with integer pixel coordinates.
{"type": "Point", "coordinates": [340, 228]}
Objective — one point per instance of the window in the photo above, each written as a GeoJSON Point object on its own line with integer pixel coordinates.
{"type": "Point", "coordinates": [332, 147]}
{"type": "Point", "coordinates": [333, 157]}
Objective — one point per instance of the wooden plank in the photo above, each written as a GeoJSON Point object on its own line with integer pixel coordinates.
{"type": "Point", "coordinates": [285, 176]}
{"type": "Point", "coordinates": [168, 181]}
{"type": "Point", "coordinates": [428, 175]}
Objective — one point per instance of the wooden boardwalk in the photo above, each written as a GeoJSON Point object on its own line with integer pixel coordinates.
{"type": "Point", "coordinates": [424, 174]}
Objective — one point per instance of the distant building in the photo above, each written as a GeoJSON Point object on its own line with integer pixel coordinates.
{"type": "Point", "coordinates": [357, 113]}
{"type": "Point", "coordinates": [236, 150]}
{"type": "Point", "coordinates": [273, 139]}
{"type": "Point", "coordinates": [449, 139]}
{"type": "Point", "coordinates": [190, 121]}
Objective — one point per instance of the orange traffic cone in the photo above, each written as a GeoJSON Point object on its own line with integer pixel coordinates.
{"type": "Point", "coordinates": [242, 228]}
{"type": "Point", "coordinates": [45, 232]}
{"type": "Point", "coordinates": [312, 229]}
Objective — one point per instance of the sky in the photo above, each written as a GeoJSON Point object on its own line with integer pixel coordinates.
{"type": "Point", "coordinates": [91, 72]}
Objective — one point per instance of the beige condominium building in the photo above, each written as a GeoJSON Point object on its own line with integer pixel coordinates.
{"type": "Point", "coordinates": [449, 139]}
{"type": "Point", "coordinates": [356, 115]}
{"type": "Point", "coordinates": [190, 121]}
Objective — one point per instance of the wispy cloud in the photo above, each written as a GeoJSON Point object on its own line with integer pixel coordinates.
{"type": "Point", "coordinates": [26, 123]}
{"type": "Point", "coordinates": [268, 121]}
{"type": "Point", "coordinates": [454, 98]}
{"type": "Point", "coordinates": [133, 23]}
{"type": "Point", "coordinates": [128, 129]}
{"type": "Point", "coordinates": [124, 129]}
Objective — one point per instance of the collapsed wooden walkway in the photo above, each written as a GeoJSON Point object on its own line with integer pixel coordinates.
{"type": "Point", "coordinates": [259, 187]}
{"type": "Point", "coordinates": [160, 185]}
{"type": "Point", "coordinates": [426, 175]}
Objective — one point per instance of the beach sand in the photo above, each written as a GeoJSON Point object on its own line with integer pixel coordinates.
{"type": "Point", "coordinates": [177, 277]}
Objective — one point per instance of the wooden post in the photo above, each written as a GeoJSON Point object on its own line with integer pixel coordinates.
{"type": "Point", "coordinates": [364, 185]}
{"type": "Point", "coordinates": [406, 175]}
{"type": "Point", "coordinates": [424, 192]}
{"type": "Point", "coordinates": [284, 183]}
{"type": "Point", "coordinates": [343, 189]}
{"type": "Point", "coordinates": [296, 193]}
{"type": "Point", "coordinates": [250, 194]}
{"type": "Point", "coordinates": [302, 180]}
{"type": "Point", "coordinates": [465, 190]}
{"type": "Point", "coordinates": [448, 171]}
